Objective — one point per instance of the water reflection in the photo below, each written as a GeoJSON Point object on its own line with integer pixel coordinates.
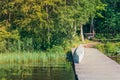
{"type": "Point", "coordinates": [36, 73]}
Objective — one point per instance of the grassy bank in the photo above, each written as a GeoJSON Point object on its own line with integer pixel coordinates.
{"type": "Point", "coordinates": [111, 49]}
{"type": "Point", "coordinates": [36, 65]}
{"type": "Point", "coordinates": [55, 57]}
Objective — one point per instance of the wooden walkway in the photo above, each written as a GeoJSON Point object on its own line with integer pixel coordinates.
{"type": "Point", "coordinates": [96, 66]}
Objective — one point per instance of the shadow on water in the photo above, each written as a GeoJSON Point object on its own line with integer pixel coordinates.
{"type": "Point", "coordinates": [72, 61]}
{"type": "Point", "coordinates": [36, 73]}
{"type": "Point", "coordinates": [52, 74]}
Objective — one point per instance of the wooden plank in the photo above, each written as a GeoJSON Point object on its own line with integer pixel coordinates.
{"type": "Point", "coordinates": [97, 66]}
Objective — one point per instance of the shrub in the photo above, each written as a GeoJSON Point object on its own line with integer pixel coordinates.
{"type": "Point", "coordinates": [100, 47]}
{"type": "Point", "coordinates": [2, 46]}
{"type": "Point", "coordinates": [109, 48]}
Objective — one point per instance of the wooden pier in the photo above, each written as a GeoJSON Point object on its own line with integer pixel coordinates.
{"type": "Point", "coordinates": [96, 66]}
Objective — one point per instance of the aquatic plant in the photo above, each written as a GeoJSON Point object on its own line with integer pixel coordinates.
{"type": "Point", "coordinates": [50, 58]}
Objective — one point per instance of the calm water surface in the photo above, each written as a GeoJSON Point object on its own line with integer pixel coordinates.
{"type": "Point", "coordinates": [36, 73]}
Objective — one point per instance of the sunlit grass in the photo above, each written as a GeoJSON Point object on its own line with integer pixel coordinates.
{"type": "Point", "coordinates": [42, 59]}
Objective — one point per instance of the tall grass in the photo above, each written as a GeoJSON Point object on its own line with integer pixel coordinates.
{"type": "Point", "coordinates": [50, 58]}
{"type": "Point", "coordinates": [109, 48]}
{"type": "Point", "coordinates": [24, 52]}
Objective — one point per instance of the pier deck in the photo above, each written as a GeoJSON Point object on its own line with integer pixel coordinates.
{"type": "Point", "coordinates": [97, 66]}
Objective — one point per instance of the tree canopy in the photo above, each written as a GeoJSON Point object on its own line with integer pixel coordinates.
{"type": "Point", "coordinates": [41, 24]}
{"type": "Point", "coordinates": [109, 23]}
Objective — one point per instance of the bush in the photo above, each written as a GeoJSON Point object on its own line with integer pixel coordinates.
{"type": "Point", "coordinates": [68, 44]}
{"type": "Point", "coordinates": [2, 46]}
{"type": "Point", "coordinates": [108, 48]}
{"type": "Point", "coordinates": [100, 47]}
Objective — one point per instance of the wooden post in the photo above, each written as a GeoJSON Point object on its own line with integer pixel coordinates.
{"type": "Point", "coordinates": [92, 27]}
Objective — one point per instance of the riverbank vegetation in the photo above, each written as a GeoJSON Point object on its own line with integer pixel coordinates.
{"type": "Point", "coordinates": [110, 48]}
{"type": "Point", "coordinates": [108, 25]}
{"type": "Point", "coordinates": [36, 36]}
{"type": "Point", "coordinates": [108, 29]}
{"type": "Point", "coordinates": [42, 31]}
{"type": "Point", "coordinates": [41, 28]}
{"type": "Point", "coordinates": [51, 58]}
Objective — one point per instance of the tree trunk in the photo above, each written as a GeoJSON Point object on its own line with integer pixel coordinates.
{"type": "Point", "coordinates": [115, 4]}
{"type": "Point", "coordinates": [82, 36]}
{"type": "Point", "coordinates": [92, 26]}
{"type": "Point", "coordinates": [75, 28]}
{"type": "Point", "coordinates": [48, 28]}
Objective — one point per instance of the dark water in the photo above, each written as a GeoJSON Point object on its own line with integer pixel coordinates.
{"type": "Point", "coordinates": [36, 73]}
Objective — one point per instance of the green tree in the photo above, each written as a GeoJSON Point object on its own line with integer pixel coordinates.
{"type": "Point", "coordinates": [41, 24]}
{"type": "Point", "coordinates": [109, 23]}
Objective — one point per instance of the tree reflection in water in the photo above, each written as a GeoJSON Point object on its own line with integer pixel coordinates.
{"type": "Point", "coordinates": [36, 73]}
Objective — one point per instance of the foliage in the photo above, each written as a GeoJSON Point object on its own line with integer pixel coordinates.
{"type": "Point", "coordinates": [109, 23]}
{"type": "Point", "coordinates": [109, 48]}
{"type": "Point", "coordinates": [68, 44]}
{"type": "Point", "coordinates": [100, 47]}
{"type": "Point", "coordinates": [111, 37]}
{"type": "Point", "coordinates": [51, 58]}
{"type": "Point", "coordinates": [2, 46]}
{"type": "Point", "coordinates": [41, 24]}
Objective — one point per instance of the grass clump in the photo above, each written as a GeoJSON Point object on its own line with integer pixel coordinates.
{"type": "Point", "coordinates": [109, 48]}
{"type": "Point", "coordinates": [25, 55]}
{"type": "Point", "coordinates": [68, 44]}
{"type": "Point", "coordinates": [55, 57]}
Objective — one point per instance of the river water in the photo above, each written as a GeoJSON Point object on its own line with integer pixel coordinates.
{"type": "Point", "coordinates": [36, 73]}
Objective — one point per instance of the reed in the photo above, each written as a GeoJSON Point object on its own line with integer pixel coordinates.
{"type": "Point", "coordinates": [42, 59]}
